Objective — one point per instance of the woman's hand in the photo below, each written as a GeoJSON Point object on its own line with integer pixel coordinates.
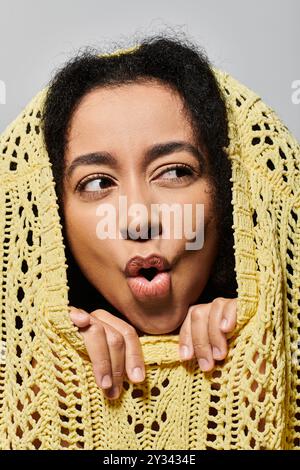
{"type": "Point", "coordinates": [113, 347]}
{"type": "Point", "coordinates": [203, 332]}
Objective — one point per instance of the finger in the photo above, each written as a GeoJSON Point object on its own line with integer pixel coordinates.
{"type": "Point", "coordinates": [186, 349]}
{"type": "Point", "coordinates": [216, 336]}
{"type": "Point", "coordinates": [229, 317]}
{"type": "Point", "coordinates": [116, 345]}
{"type": "Point", "coordinates": [199, 328]}
{"type": "Point", "coordinates": [95, 340]}
{"type": "Point", "coordinates": [134, 360]}
{"type": "Point", "coordinates": [79, 317]}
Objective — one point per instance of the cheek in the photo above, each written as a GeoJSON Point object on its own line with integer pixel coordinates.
{"type": "Point", "coordinates": [198, 264]}
{"type": "Point", "coordinates": [91, 252]}
{"type": "Point", "coordinates": [80, 224]}
{"type": "Point", "coordinates": [93, 255]}
{"type": "Point", "coordinates": [81, 229]}
{"type": "Point", "coordinates": [198, 261]}
{"type": "Point", "coordinates": [198, 210]}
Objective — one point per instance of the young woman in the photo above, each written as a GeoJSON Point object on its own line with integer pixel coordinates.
{"type": "Point", "coordinates": [132, 126]}
{"type": "Point", "coordinates": [152, 125]}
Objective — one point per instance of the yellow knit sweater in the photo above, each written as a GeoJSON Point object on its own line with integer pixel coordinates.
{"type": "Point", "coordinates": [251, 400]}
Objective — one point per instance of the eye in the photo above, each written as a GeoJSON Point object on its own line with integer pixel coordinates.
{"type": "Point", "coordinates": [94, 185]}
{"type": "Point", "coordinates": [177, 172]}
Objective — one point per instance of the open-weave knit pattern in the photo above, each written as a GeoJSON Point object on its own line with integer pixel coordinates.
{"type": "Point", "coordinates": [251, 400]}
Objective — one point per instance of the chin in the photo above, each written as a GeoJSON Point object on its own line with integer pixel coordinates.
{"type": "Point", "coordinates": [161, 329]}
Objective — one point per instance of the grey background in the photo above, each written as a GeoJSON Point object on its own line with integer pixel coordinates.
{"type": "Point", "coordinates": [257, 41]}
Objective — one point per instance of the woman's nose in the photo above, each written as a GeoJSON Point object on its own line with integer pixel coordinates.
{"type": "Point", "coordinates": [145, 233]}
{"type": "Point", "coordinates": [140, 219]}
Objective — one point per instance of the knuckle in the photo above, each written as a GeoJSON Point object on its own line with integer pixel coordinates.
{"type": "Point", "coordinates": [118, 372]}
{"type": "Point", "coordinates": [191, 308]}
{"type": "Point", "coordinates": [96, 328]}
{"type": "Point", "coordinates": [215, 340]}
{"type": "Point", "coordinates": [94, 314]}
{"type": "Point", "coordinates": [97, 314]}
{"type": "Point", "coordinates": [215, 337]}
{"type": "Point", "coordinates": [218, 302]}
{"type": "Point", "coordinates": [201, 349]}
{"type": "Point", "coordinates": [129, 332]}
{"type": "Point", "coordinates": [197, 313]}
{"type": "Point", "coordinates": [194, 314]}
{"type": "Point", "coordinates": [213, 329]}
{"type": "Point", "coordinates": [102, 365]}
{"type": "Point", "coordinates": [115, 340]}
{"type": "Point", "coordinates": [136, 355]}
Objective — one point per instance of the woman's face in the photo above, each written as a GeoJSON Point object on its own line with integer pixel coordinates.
{"type": "Point", "coordinates": [122, 127]}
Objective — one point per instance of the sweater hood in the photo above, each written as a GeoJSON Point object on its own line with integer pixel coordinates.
{"type": "Point", "coordinates": [48, 396]}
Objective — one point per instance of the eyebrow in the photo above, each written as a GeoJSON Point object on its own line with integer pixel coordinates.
{"type": "Point", "coordinates": [154, 152]}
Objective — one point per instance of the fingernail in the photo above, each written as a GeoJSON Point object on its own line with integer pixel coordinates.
{"type": "Point", "coordinates": [106, 382]}
{"type": "Point", "coordinates": [184, 352]}
{"type": "Point", "coordinates": [113, 392]}
{"type": "Point", "coordinates": [137, 374]}
{"type": "Point", "coordinates": [203, 364]}
{"type": "Point", "coordinates": [216, 352]}
{"type": "Point", "coordinates": [224, 323]}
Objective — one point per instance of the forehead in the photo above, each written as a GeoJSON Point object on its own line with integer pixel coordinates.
{"type": "Point", "coordinates": [137, 111]}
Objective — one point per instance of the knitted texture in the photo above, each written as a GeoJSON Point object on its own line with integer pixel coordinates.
{"type": "Point", "coordinates": [250, 400]}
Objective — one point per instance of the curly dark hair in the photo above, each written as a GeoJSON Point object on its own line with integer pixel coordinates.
{"type": "Point", "coordinates": [185, 68]}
